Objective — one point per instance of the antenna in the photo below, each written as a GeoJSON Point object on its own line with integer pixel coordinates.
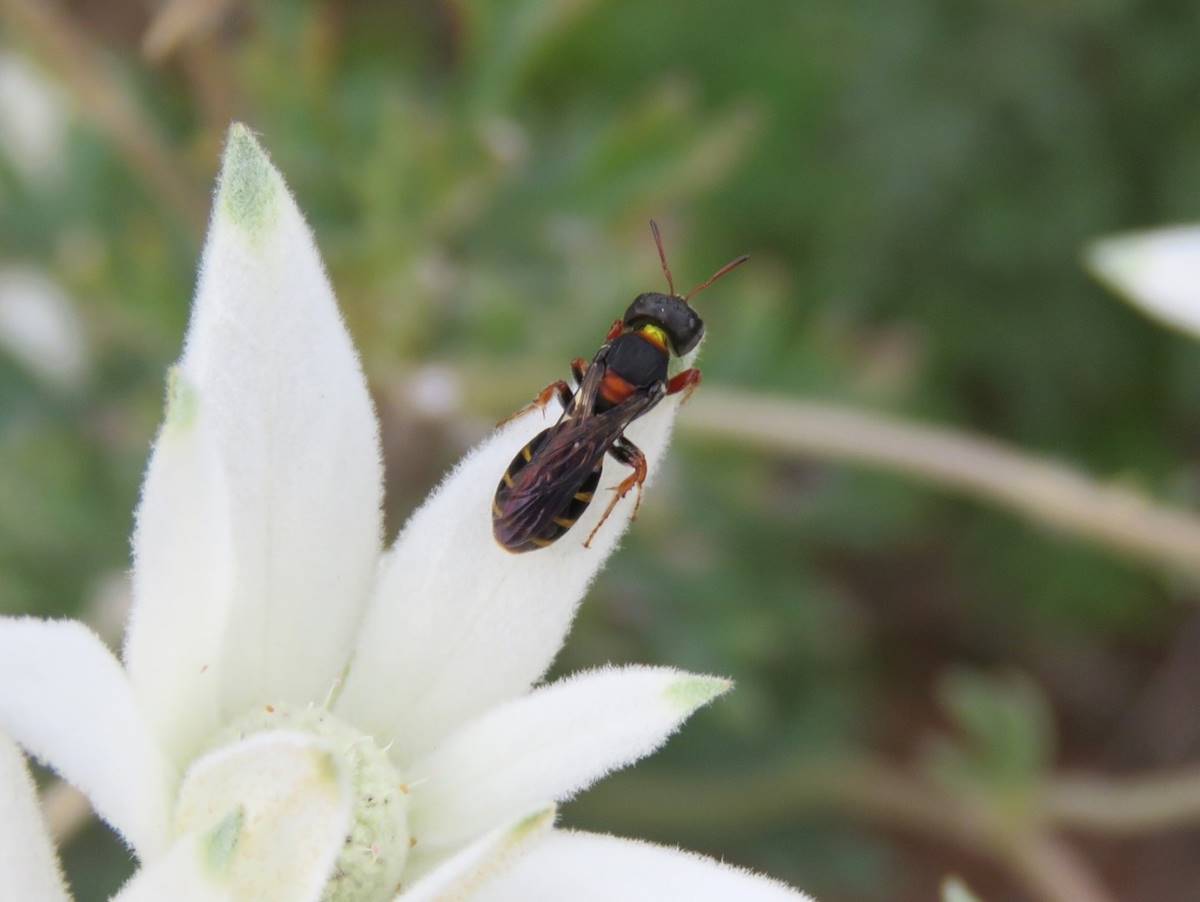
{"type": "Point", "coordinates": [662, 256]}
{"type": "Point", "coordinates": [723, 271]}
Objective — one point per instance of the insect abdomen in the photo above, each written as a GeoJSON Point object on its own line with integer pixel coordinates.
{"type": "Point", "coordinates": [515, 539]}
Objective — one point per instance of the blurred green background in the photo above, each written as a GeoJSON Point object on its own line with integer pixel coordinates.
{"type": "Point", "coordinates": [915, 181]}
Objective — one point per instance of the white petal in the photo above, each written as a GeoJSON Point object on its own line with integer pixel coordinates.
{"type": "Point", "coordinates": [64, 697]}
{"type": "Point", "coordinates": [182, 579]}
{"type": "Point", "coordinates": [277, 806]}
{"type": "Point", "coordinates": [548, 745]}
{"type": "Point", "coordinates": [489, 856]}
{"type": "Point", "coordinates": [457, 624]}
{"type": "Point", "coordinates": [1159, 271]}
{"type": "Point", "coordinates": [28, 866]}
{"type": "Point", "coordinates": [589, 867]}
{"type": "Point", "coordinates": [185, 874]}
{"type": "Point", "coordinates": [285, 404]}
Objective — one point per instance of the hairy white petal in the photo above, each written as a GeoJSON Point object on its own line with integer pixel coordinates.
{"type": "Point", "coordinates": [460, 876]}
{"type": "Point", "coordinates": [182, 579]}
{"type": "Point", "coordinates": [296, 438]}
{"type": "Point", "coordinates": [457, 623]}
{"type": "Point", "coordinates": [278, 805]}
{"type": "Point", "coordinates": [589, 867]}
{"type": "Point", "coordinates": [28, 866]}
{"type": "Point", "coordinates": [67, 701]}
{"type": "Point", "coordinates": [185, 874]}
{"type": "Point", "coordinates": [549, 745]}
{"type": "Point", "coordinates": [1158, 271]}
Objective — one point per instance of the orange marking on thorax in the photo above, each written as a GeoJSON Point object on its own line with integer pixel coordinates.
{"type": "Point", "coordinates": [614, 389]}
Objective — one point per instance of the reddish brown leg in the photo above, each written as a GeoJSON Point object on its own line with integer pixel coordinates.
{"type": "Point", "coordinates": [685, 381]}
{"type": "Point", "coordinates": [557, 388]}
{"type": "Point", "coordinates": [579, 367]}
{"type": "Point", "coordinates": [629, 454]}
{"type": "Point", "coordinates": [615, 329]}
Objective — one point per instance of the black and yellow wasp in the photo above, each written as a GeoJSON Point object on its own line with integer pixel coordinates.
{"type": "Point", "coordinates": [550, 482]}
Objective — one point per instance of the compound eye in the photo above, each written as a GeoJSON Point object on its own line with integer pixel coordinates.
{"type": "Point", "coordinates": [684, 327]}
{"type": "Point", "coordinates": [685, 340]}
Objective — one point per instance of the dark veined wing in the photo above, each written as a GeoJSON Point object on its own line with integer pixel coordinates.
{"type": "Point", "coordinates": [566, 457]}
{"type": "Point", "coordinates": [583, 405]}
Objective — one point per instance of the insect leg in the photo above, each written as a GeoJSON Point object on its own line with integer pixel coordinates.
{"type": "Point", "coordinates": [578, 367]}
{"type": "Point", "coordinates": [615, 329]}
{"type": "Point", "coordinates": [685, 381]}
{"type": "Point", "coordinates": [565, 394]}
{"type": "Point", "coordinates": [558, 389]}
{"type": "Point", "coordinates": [629, 454]}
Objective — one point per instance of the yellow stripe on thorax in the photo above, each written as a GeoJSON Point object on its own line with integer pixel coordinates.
{"type": "Point", "coordinates": [655, 334]}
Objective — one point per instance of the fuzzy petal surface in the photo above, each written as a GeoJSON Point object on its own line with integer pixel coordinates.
{"type": "Point", "coordinates": [66, 700]}
{"type": "Point", "coordinates": [589, 867]}
{"type": "Point", "coordinates": [275, 809]}
{"type": "Point", "coordinates": [28, 866]}
{"type": "Point", "coordinates": [185, 874]}
{"type": "Point", "coordinates": [1158, 271]}
{"type": "Point", "coordinates": [458, 624]}
{"type": "Point", "coordinates": [460, 876]}
{"type": "Point", "coordinates": [182, 578]}
{"type": "Point", "coordinates": [548, 745]}
{"type": "Point", "coordinates": [286, 412]}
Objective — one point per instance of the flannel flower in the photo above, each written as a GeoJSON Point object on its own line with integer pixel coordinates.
{"type": "Point", "coordinates": [299, 715]}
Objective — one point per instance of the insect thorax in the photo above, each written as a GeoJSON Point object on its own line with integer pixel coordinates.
{"type": "Point", "coordinates": [637, 360]}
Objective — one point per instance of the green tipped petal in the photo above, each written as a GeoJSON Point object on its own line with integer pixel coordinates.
{"type": "Point", "coordinates": [549, 746]}
{"type": "Point", "coordinates": [250, 186]}
{"type": "Point", "coordinates": [232, 609]}
{"type": "Point", "coordinates": [693, 692]}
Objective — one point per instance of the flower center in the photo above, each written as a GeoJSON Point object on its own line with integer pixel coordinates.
{"type": "Point", "coordinates": [242, 762]}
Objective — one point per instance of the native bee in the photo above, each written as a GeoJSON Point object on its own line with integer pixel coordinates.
{"type": "Point", "coordinates": [550, 482]}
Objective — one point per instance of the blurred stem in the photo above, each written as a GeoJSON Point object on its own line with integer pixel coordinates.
{"type": "Point", "coordinates": [870, 790]}
{"type": "Point", "coordinates": [103, 100]}
{"type": "Point", "coordinates": [1126, 805]}
{"type": "Point", "coordinates": [1054, 871]}
{"type": "Point", "coordinates": [1050, 869]}
{"type": "Point", "coordinates": [175, 22]}
{"type": "Point", "coordinates": [1041, 489]}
